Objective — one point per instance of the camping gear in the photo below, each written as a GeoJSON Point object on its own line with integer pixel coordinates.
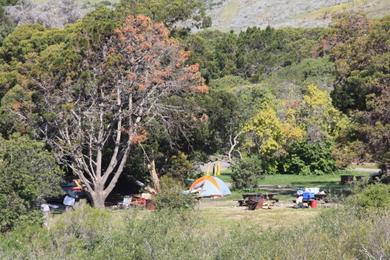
{"type": "Point", "coordinates": [258, 201]}
{"type": "Point", "coordinates": [217, 169]}
{"type": "Point", "coordinates": [313, 204]}
{"type": "Point", "coordinates": [257, 204]}
{"type": "Point", "coordinates": [346, 179]}
{"type": "Point", "coordinates": [69, 201]}
{"type": "Point", "coordinates": [307, 196]}
{"type": "Point", "coordinates": [210, 186]}
{"type": "Point", "coordinates": [313, 190]}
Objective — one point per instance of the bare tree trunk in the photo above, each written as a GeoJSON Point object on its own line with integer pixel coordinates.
{"type": "Point", "coordinates": [154, 176]}
{"type": "Point", "coordinates": [233, 143]}
{"type": "Point", "coordinates": [99, 198]}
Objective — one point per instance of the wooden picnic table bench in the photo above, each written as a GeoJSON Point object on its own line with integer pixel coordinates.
{"type": "Point", "coordinates": [257, 200]}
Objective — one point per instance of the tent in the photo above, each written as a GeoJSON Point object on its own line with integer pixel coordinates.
{"type": "Point", "coordinates": [210, 186]}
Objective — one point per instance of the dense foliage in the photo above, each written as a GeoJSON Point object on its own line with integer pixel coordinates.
{"type": "Point", "coordinates": [252, 54]}
{"type": "Point", "coordinates": [300, 101]}
{"type": "Point", "coordinates": [247, 172]}
{"type": "Point", "coordinates": [361, 54]}
{"type": "Point", "coordinates": [172, 198]}
{"type": "Point", "coordinates": [173, 13]}
{"type": "Point", "coordinates": [338, 234]}
{"type": "Point", "coordinates": [372, 198]}
{"type": "Point", "coordinates": [28, 174]}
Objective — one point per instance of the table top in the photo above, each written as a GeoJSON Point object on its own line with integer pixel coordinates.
{"type": "Point", "coordinates": [258, 195]}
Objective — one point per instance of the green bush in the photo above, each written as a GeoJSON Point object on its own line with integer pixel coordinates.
{"type": "Point", "coordinates": [245, 173]}
{"type": "Point", "coordinates": [306, 158]}
{"type": "Point", "coordinates": [28, 173]}
{"type": "Point", "coordinates": [166, 234]}
{"type": "Point", "coordinates": [172, 197]}
{"type": "Point", "coordinates": [375, 197]}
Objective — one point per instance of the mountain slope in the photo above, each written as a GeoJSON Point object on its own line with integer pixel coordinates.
{"type": "Point", "coordinates": [240, 14]}
{"type": "Point", "coordinates": [226, 14]}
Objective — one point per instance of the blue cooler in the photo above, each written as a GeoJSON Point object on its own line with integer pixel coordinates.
{"type": "Point", "coordinates": [307, 196]}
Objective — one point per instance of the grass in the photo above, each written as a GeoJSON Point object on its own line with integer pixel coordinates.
{"type": "Point", "coordinates": [284, 186]}
{"type": "Point", "coordinates": [229, 11]}
{"type": "Point", "coordinates": [373, 8]}
{"type": "Point", "coordinates": [217, 229]}
{"type": "Point", "coordinates": [226, 212]}
{"type": "Point", "coordinates": [300, 180]}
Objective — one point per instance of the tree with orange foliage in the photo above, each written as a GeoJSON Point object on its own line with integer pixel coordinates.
{"type": "Point", "coordinates": [93, 120]}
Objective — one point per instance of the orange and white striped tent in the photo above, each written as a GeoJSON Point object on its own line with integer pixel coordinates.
{"type": "Point", "coordinates": [210, 186]}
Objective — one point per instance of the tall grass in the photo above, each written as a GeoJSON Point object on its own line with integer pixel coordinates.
{"type": "Point", "coordinates": [99, 234]}
{"type": "Point", "coordinates": [359, 230]}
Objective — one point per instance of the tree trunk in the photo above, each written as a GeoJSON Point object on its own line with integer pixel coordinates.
{"type": "Point", "coordinates": [154, 176]}
{"type": "Point", "coordinates": [99, 198]}
{"type": "Point", "coordinates": [233, 143]}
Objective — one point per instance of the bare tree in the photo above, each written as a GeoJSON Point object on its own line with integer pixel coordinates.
{"type": "Point", "coordinates": [96, 118]}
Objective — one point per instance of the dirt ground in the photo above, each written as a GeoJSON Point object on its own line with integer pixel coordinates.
{"type": "Point", "coordinates": [281, 215]}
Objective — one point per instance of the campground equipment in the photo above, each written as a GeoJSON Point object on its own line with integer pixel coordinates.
{"type": "Point", "coordinates": [217, 169]}
{"type": "Point", "coordinates": [210, 187]}
{"type": "Point", "coordinates": [346, 179]}
{"type": "Point", "coordinates": [309, 197]}
{"type": "Point", "coordinates": [258, 201]}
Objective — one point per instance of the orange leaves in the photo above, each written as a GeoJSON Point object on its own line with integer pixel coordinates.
{"type": "Point", "coordinates": [139, 138]}
{"type": "Point", "coordinates": [194, 68]}
{"type": "Point", "coordinates": [145, 46]}
{"type": "Point", "coordinates": [16, 106]}
{"type": "Point", "coordinates": [203, 89]}
{"type": "Point", "coordinates": [141, 87]}
{"type": "Point", "coordinates": [183, 57]}
{"type": "Point", "coordinates": [129, 48]}
{"type": "Point", "coordinates": [161, 30]}
{"type": "Point", "coordinates": [151, 58]}
{"type": "Point", "coordinates": [131, 76]}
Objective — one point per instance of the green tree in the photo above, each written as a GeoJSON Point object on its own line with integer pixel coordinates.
{"type": "Point", "coordinates": [361, 52]}
{"type": "Point", "coordinates": [307, 158]}
{"type": "Point", "coordinates": [28, 173]}
{"type": "Point", "coordinates": [95, 118]}
{"type": "Point", "coordinates": [247, 172]}
{"type": "Point", "coordinates": [170, 12]}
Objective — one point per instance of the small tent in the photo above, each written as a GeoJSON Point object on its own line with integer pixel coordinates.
{"type": "Point", "coordinates": [210, 186]}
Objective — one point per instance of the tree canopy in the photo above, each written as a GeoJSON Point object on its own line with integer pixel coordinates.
{"type": "Point", "coordinates": [28, 173]}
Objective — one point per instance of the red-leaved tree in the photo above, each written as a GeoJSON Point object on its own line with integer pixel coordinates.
{"type": "Point", "coordinates": [93, 120]}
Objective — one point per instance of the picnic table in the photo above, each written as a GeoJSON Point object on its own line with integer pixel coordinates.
{"type": "Point", "coordinates": [257, 200]}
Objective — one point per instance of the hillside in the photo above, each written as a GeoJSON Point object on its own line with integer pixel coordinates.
{"type": "Point", "coordinates": [226, 14]}
{"type": "Point", "coordinates": [239, 14]}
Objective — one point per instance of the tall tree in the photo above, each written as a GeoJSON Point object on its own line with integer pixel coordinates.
{"type": "Point", "coordinates": [361, 52]}
{"type": "Point", "coordinates": [92, 120]}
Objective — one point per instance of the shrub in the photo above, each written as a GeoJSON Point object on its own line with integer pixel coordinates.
{"type": "Point", "coordinates": [373, 198]}
{"type": "Point", "coordinates": [306, 158]}
{"type": "Point", "coordinates": [180, 167]}
{"type": "Point", "coordinates": [246, 173]}
{"type": "Point", "coordinates": [28, 173]}
{"type": "Point", "coordinates": [172, 196]}
{"type": "Point", "coordinates": [166, 234]}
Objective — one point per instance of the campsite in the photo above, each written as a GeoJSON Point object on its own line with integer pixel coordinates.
{"type": "Point", "coordinates": [194, 129]}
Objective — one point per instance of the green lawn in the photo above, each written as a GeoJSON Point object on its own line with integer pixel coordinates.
{"type": "Point", "coordinates": [285, 186]}
{"type": "Point", "coordinates": [299, 180]}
